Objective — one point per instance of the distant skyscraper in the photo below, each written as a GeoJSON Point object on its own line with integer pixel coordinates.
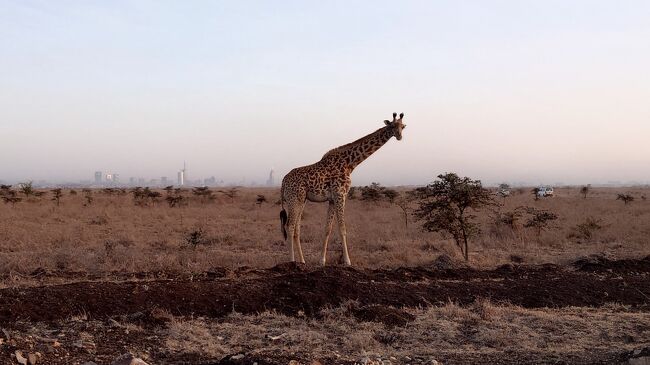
{"type": "Point", "coordinates": [98, 177]}
{"type": "Point", "coordinates": [181, 176]}
{"type": "Point", "coordinates": [271, 180]}
{"type": "Point", "coordinates": [163, 181]}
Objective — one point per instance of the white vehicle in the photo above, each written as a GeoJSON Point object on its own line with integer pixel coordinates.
{"type": "Point", "coordinates": [544, 191]}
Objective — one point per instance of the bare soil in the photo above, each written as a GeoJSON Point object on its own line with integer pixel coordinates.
{"type": "Point", "coordinates": [379, 296]}
{"type": "Point", "coordinates": [296, 289]}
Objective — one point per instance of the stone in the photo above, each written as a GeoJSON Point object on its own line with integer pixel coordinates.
{"type": "Point", "coordinates": [640, 356]}
{"type": "Point", "coordinates": [643, 360]}
{"type": "Point", "coordinates": [33, 358]}
{"type": "Point", "coordinates": [19, 357]}
{"type": "Point", "coordinates": [237, 357]}
{"type": "Point", "coordinates": [128, 359]}
{"type": "Point", "coordinates": [294, 362]}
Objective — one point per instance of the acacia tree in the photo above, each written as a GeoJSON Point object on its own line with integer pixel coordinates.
{"type": "Point", "coordinates": [8, 196]}
{"type": "Point", "coordinates": [626, 198]}
{"type": "Point", "coordinates": [231, 193]}
{"type": "Point", "coordinates": [56, 196]}
{"type": "Point", "coordinates": [27, 188]}
{"type": "Point", "coordinates": [446, 205]}
{"type": "Point", "coordinates": [88, 196]}
{"type": "Point", "coordinates": [535, 192]}
{"type": "Point", "coordinates": [539, 219]}
{"type": "Point", "coordinates": [404, 203]}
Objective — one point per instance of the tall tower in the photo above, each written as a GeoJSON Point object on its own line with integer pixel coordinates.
{"type": "Point", "coordinates": [181, 176]}
{"type": "Point", "coordinates": [271, 180]}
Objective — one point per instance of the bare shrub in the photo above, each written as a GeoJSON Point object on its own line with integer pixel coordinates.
{"type": "Point", "coordinates": [372, 192]}
{"type": "Point", "coordinates": [9, 196]}
{"type": "Point", "coordinates": [88, 196]}
{"type": "Point", "coordinates": [586, 229]}
{"type": "Point", "coordinates": [204, 194]}
{"type": "Point", "coordinates": [352, 193]}
{"type": "Point", "coordinates": [539, 219]}
{"type": "Point", "coordinates": [56, 196]}
{"type": "Point", "coordinates": [230, 193]}
{"type": "Point", "coordinates": [260, 199]}
{"type": "Point", "coordinates": [626, 198]}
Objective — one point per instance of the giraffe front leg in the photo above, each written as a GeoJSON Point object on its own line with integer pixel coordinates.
{"type": "Point", "coordinates": [340, 217]}
{"type": "Point", "coordinates": [328, 230]}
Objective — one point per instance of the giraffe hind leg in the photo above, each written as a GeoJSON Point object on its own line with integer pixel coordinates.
{"type": "Point", "coordinates": [297, 233]}
{"type": "Point", "coordinates": [328, 231]}
{"type": "Point", "coordinates": [291, 227]}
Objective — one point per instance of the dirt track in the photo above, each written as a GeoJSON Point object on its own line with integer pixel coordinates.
{"type": "Point", "coordinates": [291, 289]}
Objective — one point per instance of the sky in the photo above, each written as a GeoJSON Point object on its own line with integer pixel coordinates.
{"type": "Point", "coordinates": [502, 91]}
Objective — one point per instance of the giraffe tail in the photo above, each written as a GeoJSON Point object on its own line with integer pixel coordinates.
{"type": "Point", "coordinates": [283, 223]}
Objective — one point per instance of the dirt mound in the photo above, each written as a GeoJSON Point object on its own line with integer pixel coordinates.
{"type": "Point", "coordinates": [380, 313]}
{"type": "Point", "coordinates": [292, 289]}
{"type": "Point", "coordinates": [599, 263]}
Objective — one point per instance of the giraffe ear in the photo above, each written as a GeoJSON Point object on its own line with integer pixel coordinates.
{"type": "Point", "coordinates": [387, 122]}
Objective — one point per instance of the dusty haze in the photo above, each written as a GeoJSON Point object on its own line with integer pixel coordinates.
{"type": "Point", "coordinates": [500, 91]}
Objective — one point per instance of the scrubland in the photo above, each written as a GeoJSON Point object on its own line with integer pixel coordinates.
{"type": "Point", "coordinates": [112, 234]}
{"type": "Point", "coordinates": [206, 282]}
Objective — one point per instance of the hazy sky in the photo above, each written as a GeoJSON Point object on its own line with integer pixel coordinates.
{"type": "Point", "coordinates": [537, 91]}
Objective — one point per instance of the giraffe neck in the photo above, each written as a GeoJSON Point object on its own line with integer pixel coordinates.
{"type": "Point", "coordinates": [358, 151]}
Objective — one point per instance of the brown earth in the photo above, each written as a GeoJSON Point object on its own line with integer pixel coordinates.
{"type": "Point", "coordinates": [296, 289]}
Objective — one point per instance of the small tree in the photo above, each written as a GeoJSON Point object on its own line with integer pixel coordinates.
{"type": "Point", "coordinates": [584, 191]}
{"type": "Point", "coordinates": [372, 192]}
{"type": "Point", "coordinates": [204, 194]}
{"type": "Point", "coordinates": [586, 229]}
{"type": "Point", "coordinates": [260, 199]}
{"type": "Point", "coordinates": [540, 219]}
{"type": "Point", "coordinates": [446, 205]}
{"type": "Point", "coordinates": [56, 196]}
{"type": "Point", "coordinates": [352, 193]}
{"type": "Point", "coordinates": [88, 196]}
{"type": "Point", "coordinates": [404, 203]}
{"type": "Point", "coordinates": [535, 193]}
{"type": "Point", "coordinates": [626, 198]}
{"type": "Point", "coordinates": [27, 189]}
{"type": "Point", "coordinates": [231, 193]}
{"type": "Point", "coordinates": [8, 196]}
{"type": "Point", "coordinates": [503, 191]}
{"type": "Point", "coordinates": [390, 194]}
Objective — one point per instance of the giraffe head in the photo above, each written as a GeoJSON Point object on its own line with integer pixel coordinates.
{"type": "Point", "coordinates": [396, 126]}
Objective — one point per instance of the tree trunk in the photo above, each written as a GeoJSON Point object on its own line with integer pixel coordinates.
{"type": "Point", "coordinates": [466, 249]}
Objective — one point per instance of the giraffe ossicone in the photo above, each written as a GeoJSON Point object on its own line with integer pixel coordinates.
{"type": "Point", "coordinates": [328, 180]}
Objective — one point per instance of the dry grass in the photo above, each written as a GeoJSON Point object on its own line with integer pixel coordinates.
{"type": "Point", "coordinates": [113, 234]}
{"type": "Point", "coordinates": [437, 333]}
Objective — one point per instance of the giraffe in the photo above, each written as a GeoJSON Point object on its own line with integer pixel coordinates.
{"type": "Point", "coordinates": [328, 180]}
